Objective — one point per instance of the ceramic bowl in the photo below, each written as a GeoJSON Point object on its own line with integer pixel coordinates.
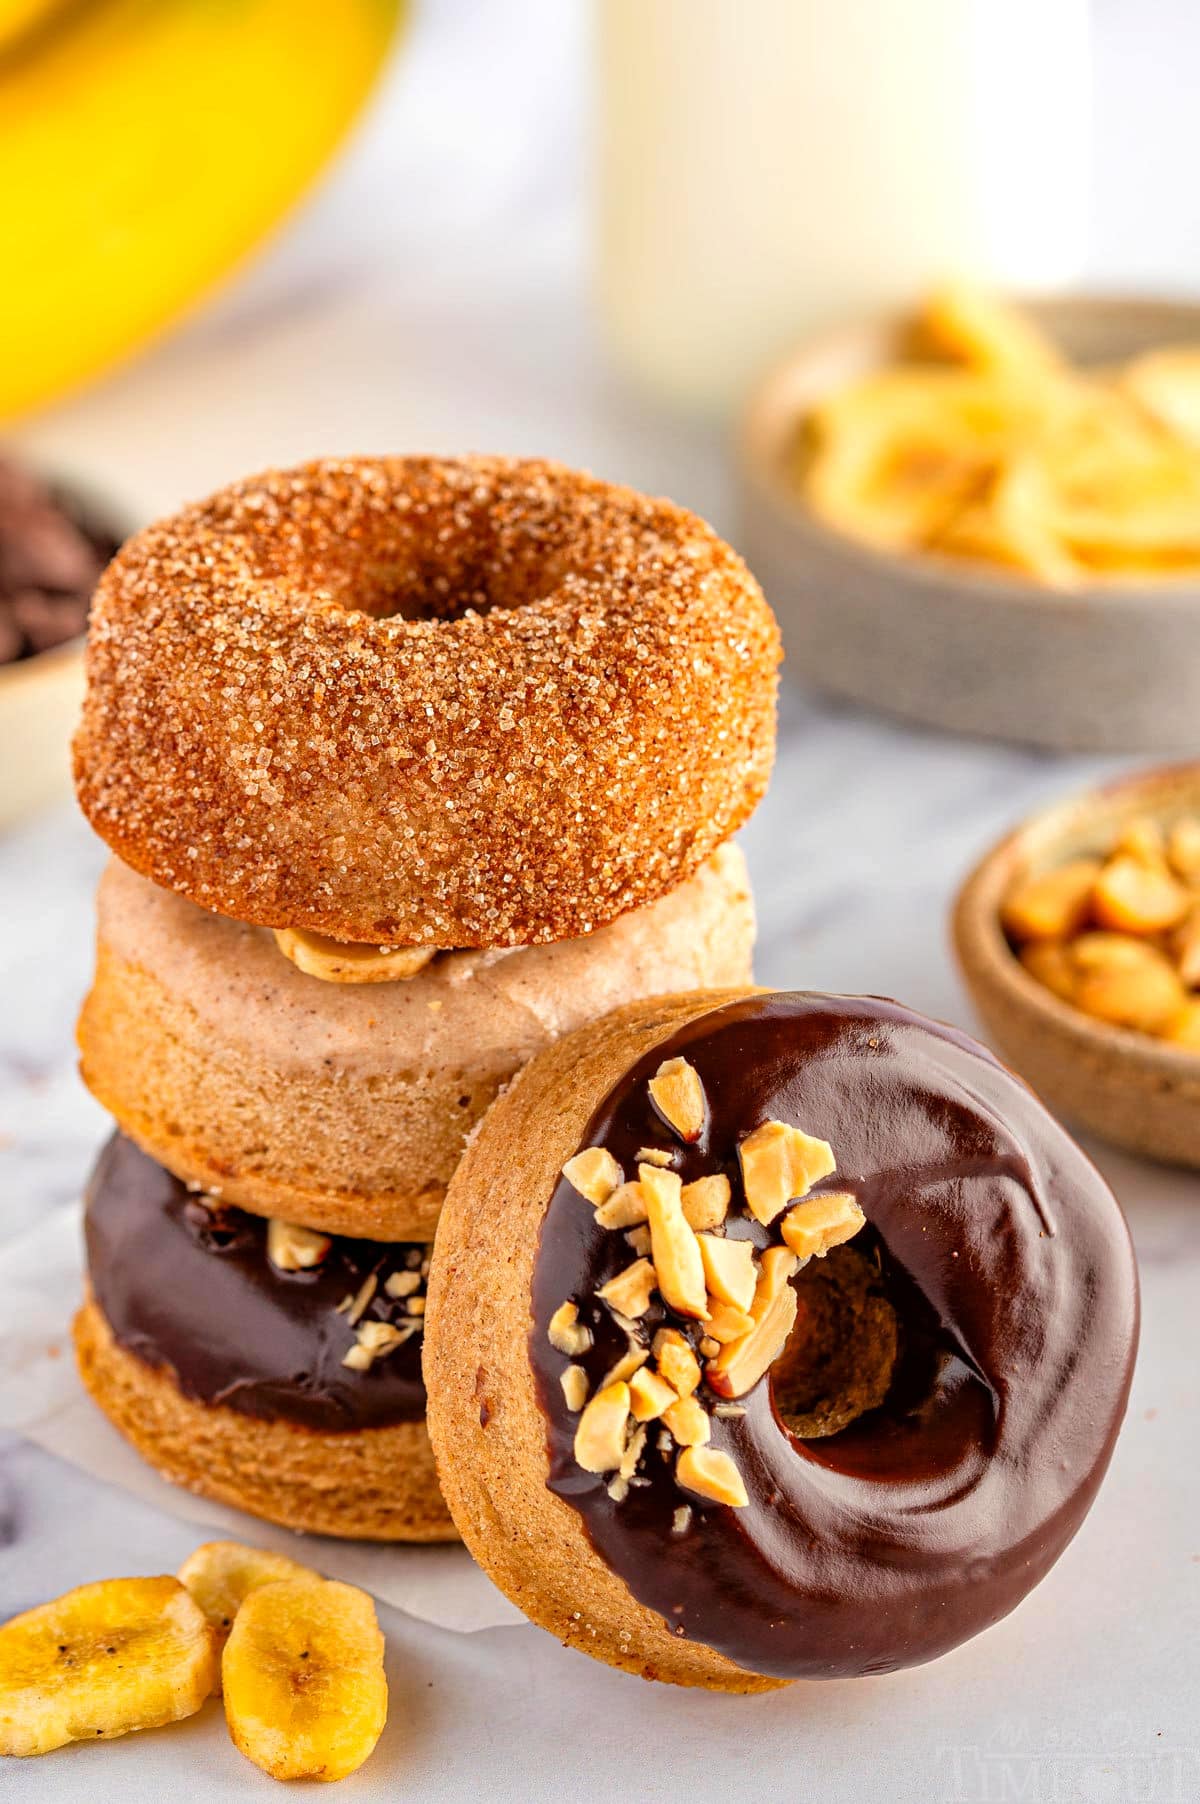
{"type": "Point", "coordinates": [1139, 1093]}
{"type": "Point", "coordinates": [40, 697]}
{"type": "Point", "coordinates": [1113, 667]}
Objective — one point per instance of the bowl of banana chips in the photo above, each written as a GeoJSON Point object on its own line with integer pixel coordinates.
{"type": "Point", "coordinates": [985, 516]}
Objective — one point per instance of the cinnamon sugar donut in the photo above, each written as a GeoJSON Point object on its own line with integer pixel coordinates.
{"type": "Point", "coordinates": [418, 701]}
{"type": "Point", "coordinates": [346, 1107]}
{"type": "Point", "coordinates": [773, 1336]}
{"type": "Point", "coordinates": [224, 1360]}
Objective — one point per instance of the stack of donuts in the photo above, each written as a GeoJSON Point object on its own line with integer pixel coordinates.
{"type": "Point", "coordinates": [763, 1336]}
{"type": "Point", "coordinates": [409, 767]}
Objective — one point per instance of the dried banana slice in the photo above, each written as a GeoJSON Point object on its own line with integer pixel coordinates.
{"type": "Point", "coordinates": [221, 1575]}
{"type": "Point", "coordinates": [302, 1673]}
{"type": "Point", "coordinates": [986, 333]}
{"type": "Point", "coordinates": [101, 1661]}
{"type": "Point", "coordinates": [1167, 383]}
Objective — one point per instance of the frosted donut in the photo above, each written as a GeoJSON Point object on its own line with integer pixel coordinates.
{"type": "Point", "coordinates": [773, 1336]}
{"type": "Point", "coordinates": [282, 1377]}
{"type": "Point", "coordinates": [346, 1107]}
{"type": "Point", "coordinates": [417, 701]}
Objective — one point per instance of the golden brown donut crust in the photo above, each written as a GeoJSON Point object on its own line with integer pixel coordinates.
{"type": "Point", "coordinates": [474, 702]}
{"type": "Point", "coordinates": [374, 1484]}
{"type": "Point", "coordinates": [342, 1108]}
{"type": "Point", "coordinates": [485, 1423]}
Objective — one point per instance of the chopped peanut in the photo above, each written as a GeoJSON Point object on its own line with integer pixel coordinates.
{"type": "Point", "coordinates": [1054, 905]}
{"type": "Point", "coordinates": [574, 1383]}
{"type": "Point", "coordinates": [600, 1436]}
{"type": "Point", "coordinates": [624, 1208]}
{"type": "Point", "coordinates": [631, 1361]}
{"type": "Point", "coordinates": [566, 1333]}
{"type": "Point", "coordinates": [673, 1243]}
{"type": "Point", "coordinates": [654, 1155]}
{"type": "Point", "coordinates": [650, 1395]}
{"type": "Point", "coordinates": [630, 1291]}
{"type": "Point", "coordinates": [779, 1163]}
{"type": "Point", "coordinates": [706, 1202]}
{"type": "Point", "coordinates": [810, 1228]}
{"type": "Point", "coordinates": [741, 1363]}
{"type": "Point", "coordinates": [688, 1422]}
{"type": "Point", "coordinates": [676, 1361]}
{"type": "Point", "coordinates": [678, 1095]}
{"type": "Point", "coordinates": [594, 1173]}
{"type": "Point", "coordinates": [294, 1249]}
{"type": "Point", "coordinates": [725, 1323]}
{"type": "Point", "coordinates": [729, 1269]}
{"type": "Point", "coordinates": [710, 1473]}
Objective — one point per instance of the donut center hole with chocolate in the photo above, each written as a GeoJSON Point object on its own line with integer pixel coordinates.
{"type": "Point", "coordinates": [871, 1383]}
{"type": "Point", "coordinates": [841, 1355]}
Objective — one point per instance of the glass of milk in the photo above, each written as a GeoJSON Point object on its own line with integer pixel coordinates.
{"type": "Point", "coordinates": [768, 168]}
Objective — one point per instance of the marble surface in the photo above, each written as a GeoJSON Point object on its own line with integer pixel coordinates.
{"type": "Point", "coordinates": [435, 296]}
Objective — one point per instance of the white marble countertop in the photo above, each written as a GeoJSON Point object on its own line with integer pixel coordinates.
{"type": "Point", "coordinates": [434, 297]}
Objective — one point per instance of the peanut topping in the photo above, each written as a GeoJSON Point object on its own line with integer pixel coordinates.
{"type": "Point", "coordinates": [600, 1436]}
{"type": "Point", "coordinates": [812, 1227]}
{"type": "Point", "coordinates": [574, 1383]}
{"type": "Point", "coordinates": [594, 1173]}
{"type": "Point", "coordinates": [371, 1341]}
{"type": "Point", "coordinates": [630, 1291]}
{"type": "Point", "coordinates": [706, 1202]}
{"type": "Point", "coordinates": [402, 1284]}
{"type": "Point", "coordinates": [688, 1422]}
{"type": "Point", "coordinates": [729, 1270]}
{"type": "Point", "coordinates": [336, 961]}
{"type": "Point", "coordinates": [624, 1208]}
{"type": "Point", "coordinates": [678, 1095]}
{"type": "Point", "coordinates": [779, 1163]}
{"type": "Point", "coordinates": [630, 1362]}
{"type": "Point", "coordinates": [676, 1361]}
{"type": "Point", "coordinates": [740, 1364]}
{"type": "Point", "coordinates": [566, 1333]}
{"type": "Point", "coordinates": [726, 1323]}
{"type": "Point", "coordinates": [655, 1155]}
{"type": "Point", "coordinates": [294, 1249]}
{"type": "Point", "coordinates": [673, 1243]}
{"type": "Point", "coordinates": [710, 1473]}
{"type": "Point", "coordinates": [650, 1395]}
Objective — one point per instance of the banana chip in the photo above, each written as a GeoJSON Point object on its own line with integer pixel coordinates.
{"type": "Point", "coordinates": [221, 1575]}
{"type": "Point", "coordinates": [1003, 454]}
{"type": "Point", "coordinates": [102, 1661]}
{"type": "Point", "coordinates": [1167, 384]}
{"type": "Point", "coordinates": [970, 326]}
{"type": "Point", "coordinates": [302, 1673]}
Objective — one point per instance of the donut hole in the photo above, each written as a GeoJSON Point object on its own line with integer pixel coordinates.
{"type": "Point", "coordinates": [840, 1358]}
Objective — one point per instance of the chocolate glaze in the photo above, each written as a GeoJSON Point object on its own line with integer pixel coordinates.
{"type": "Point", "coordinates": [190, 1288]}
{"type": "Point", "coordinates": [1011, 1269]}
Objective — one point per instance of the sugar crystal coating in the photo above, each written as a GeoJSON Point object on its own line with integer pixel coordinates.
{"type": "Point", "coordinates": [459, 702]}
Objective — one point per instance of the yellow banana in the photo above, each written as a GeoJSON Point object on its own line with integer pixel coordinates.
{"type": "Point", "coordinates": [145, 147]}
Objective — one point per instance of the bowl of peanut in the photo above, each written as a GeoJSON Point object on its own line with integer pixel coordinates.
{"type": "Point", "coordinates": [1079, 940]}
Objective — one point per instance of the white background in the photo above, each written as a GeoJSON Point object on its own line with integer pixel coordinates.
{"type": "Point", "coordinates": [434, 296]}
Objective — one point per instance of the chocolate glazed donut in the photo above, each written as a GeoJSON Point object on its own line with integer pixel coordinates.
{"type": "Point", "coordinates": [293, 1394]}
{"type": "Point", "coordinates": [1011, 1273]}
{"type": "Point", "coordinates": [955, 1448]}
